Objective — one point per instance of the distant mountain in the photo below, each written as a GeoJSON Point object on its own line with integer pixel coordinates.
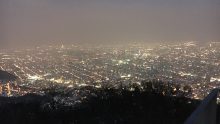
{"type": "Point", "coordinates": [4, 75]}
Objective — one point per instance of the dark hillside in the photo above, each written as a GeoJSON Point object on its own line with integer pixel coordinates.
{"type": "Point", "coordinates": [4, 75]}
{"type": "Point", "coordinates": [101, 106]}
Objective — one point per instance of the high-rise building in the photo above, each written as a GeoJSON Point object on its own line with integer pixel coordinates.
{"type": "Point", "coordinates": [0, 88]}
{"type": "Point", "coordinates": [5, 88]}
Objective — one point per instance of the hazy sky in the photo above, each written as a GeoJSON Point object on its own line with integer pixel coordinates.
{"type": "Point", "coordinates": [39, 21]}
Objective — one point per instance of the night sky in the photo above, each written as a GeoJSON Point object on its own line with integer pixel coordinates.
{"type": "Point", "coordinates": [31, 22]}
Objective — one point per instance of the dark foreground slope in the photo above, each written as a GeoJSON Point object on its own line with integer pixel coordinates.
{"type": "Point", "coordinates": [102, 106]}
{"type": "Point", "coordinates": [4, 75]}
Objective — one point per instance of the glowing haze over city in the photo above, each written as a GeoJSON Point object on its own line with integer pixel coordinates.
{"type": "Point", "coordinates": [119, 42]}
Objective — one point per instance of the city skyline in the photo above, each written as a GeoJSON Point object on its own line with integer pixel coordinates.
{"type": "Point", "coordinates": [76, 66]}
{"type": "Point", "coordinates": [109, 61]}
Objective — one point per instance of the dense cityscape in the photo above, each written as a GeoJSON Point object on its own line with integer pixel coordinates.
{"type": "Point", "coordinates": [74, 66]}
